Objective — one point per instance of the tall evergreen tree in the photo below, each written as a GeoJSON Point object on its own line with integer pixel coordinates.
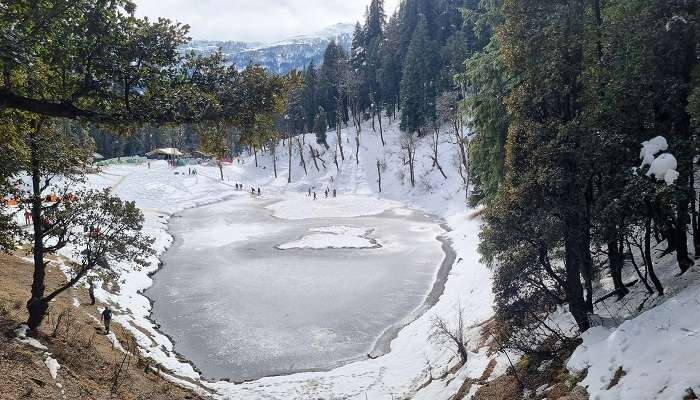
{"type": "Point", "coordinates": [418, 90]}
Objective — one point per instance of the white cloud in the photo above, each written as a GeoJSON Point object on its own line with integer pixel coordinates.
{"type": "Point", "coordinates": [261, 20]}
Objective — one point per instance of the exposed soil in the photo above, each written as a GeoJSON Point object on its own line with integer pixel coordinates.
{"type": "Point", "coordinates": [90, 365]}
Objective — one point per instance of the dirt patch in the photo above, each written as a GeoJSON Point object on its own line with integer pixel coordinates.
{"type": "Point", "coordinates": [619, 373]}
{"type": "Point", "coordinates": [91, 367]}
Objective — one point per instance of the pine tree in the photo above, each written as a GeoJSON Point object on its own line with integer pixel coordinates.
{"type": "Point", "coordinates": [310, 95]}
{"type": "Point", "coordinates": [321, 127]}
{"type": "Point", "coordinates": [418, 83]}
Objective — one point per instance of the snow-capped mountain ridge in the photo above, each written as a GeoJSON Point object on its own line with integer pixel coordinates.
{"type": "Point", "coordinates": [282, 56]}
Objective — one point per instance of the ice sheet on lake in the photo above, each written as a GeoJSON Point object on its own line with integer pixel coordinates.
{"type": "Point", "coordinates": [334, 237]}
{"type": "Point", "coordinates": [246, 309]}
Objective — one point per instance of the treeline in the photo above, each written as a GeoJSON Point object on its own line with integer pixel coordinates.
{"type": "Point", "coordinates": [400, 64]}
{"type": "Point", "coordinates": [561, 99]}
{"type": "Point", "coordinates": [398, 67]}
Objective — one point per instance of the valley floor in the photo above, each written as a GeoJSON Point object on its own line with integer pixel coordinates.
{"type": "Point", "coordinates": [416, 367]}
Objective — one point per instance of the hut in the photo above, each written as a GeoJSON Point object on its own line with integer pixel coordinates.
{"type": "Point", "coordinates": [168, 153]}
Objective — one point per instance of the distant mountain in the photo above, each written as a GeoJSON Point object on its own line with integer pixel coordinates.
{"type": "Point", "coordinates": [279, 57]}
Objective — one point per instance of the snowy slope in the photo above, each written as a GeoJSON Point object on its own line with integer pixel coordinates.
{"type": "Point", "coordinates": [657, 350]}
{"type": "Point", "coordinates": [413, 358]}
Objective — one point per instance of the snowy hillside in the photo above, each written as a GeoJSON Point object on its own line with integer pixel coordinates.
{"type": "Point", "coordinates": [416, 366]}
{"type": "Point", "coordinates": [279, 57]}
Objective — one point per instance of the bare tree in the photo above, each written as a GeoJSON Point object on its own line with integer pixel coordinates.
{"type": "Point", "coordinates": [313, 157]}
{"type": "Point", "coordinates": [448, 112]}
{"type": "Point", "coordinates": [451, 335]}
{"type": "Point", "coordinates": [435, 143]}
{"type": "Point", "coordinates": [408, 145]}
{"type": "Point", "coordinates": [301, 156]}
{"type": "Point", "coordinates": [289, 145]}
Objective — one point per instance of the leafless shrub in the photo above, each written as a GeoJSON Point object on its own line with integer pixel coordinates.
{"type": "Point", "coordinates": [451, 334]}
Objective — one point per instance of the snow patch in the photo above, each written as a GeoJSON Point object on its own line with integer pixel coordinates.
{"type": "Point", "coordinates": [657, 350]}
{"type": "Point", "coordinates": [53, 366]}
{"type": "Point", "coordinates": [300, 207]}
{"type": "Point", "coordinates": [334, 237]}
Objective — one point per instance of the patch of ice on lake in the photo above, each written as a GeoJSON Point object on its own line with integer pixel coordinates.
{"type": "Point", "coordinates": [334, 237]}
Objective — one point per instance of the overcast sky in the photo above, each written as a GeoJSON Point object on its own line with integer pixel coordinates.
{"type": "Point", "coordinates": [256, 20]}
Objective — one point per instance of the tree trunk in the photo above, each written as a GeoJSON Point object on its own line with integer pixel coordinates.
{"type": "Point", "coordinates": [574, 260]}
{"type": "Point", "coordinates": [36, 306]}
{"type": "Point", "coordinates": [616, 261]}
{"type": "Point", "coordinates": [301, 156]}
{"type": "Point", "coordinates": [577, 250]}
{"type": "Point", "coordinates": [379, 175]}
{"type": "Point", "coordinates": [636, 269]}
{"type": "Point", "coordinates": [313, 157]}
{"type": "Point", "coordinates": [681, 236]}
{"type": "Point", "coordinates": [273, 149]}
{"type": "Point", "coordinates": [255, 155]}
{"type": "Point", "coordinates": [289, 174]}
{"type": "Point", "coordinates": [410, 164]}
{"type": "Point", "coordinates": [647, 257]}
{"type": "Point", "coordinates": [694, 214]}
{"type": "Point", "coordinates": [338, 132]}
{"type": "Point", "coordinates": [381, 129]}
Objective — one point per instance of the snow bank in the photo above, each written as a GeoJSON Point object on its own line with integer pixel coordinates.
{"type": "Point", "coordinates": [658, 351]}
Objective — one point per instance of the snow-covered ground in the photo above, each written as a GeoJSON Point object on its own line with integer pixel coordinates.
{"type": "Point", "coordinates": [657, 350]}
{"type": "Point", "coordinates": [414, 359]}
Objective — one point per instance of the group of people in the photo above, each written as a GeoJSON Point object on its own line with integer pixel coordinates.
{"type": "Point", "coordinates": [253, 191]}
{"type": "Point", "coordinates": [191, 171]}
{"type": "Point", "coordinates": [327, 192]}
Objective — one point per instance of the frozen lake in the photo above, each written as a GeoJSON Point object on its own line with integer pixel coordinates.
{"type": "Point", "coordinates": [246, 295]}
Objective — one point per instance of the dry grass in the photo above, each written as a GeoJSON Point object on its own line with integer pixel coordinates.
{"type": "Point", "coordinates": [90, 367]}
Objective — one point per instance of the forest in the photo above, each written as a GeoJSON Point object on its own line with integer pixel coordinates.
{"type": "Point", "coordinates": [576, 121]}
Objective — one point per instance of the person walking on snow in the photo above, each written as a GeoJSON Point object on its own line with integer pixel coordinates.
{"type": "Point", "coordinates": [91, 292]}
{"type": "Point", "coordinates": [27, 217]}
{"type": "Point", "coordinates": [314, 195]}
{"type": "Point", "coordinates": [259, 192]}
{"type": "Point", "coordinates": [334, 193]}
{"type": "Point", "coordinates": [106, 318]}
